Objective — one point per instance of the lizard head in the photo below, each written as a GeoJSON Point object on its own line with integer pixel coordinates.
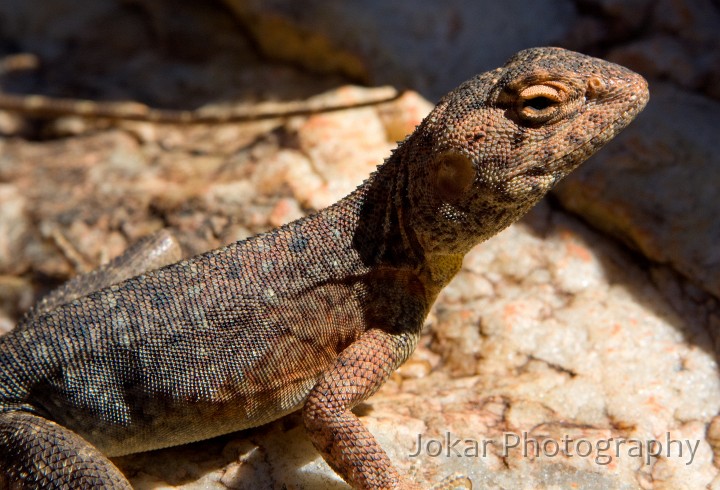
{"type": "Point", "coordinates": [501, 140]}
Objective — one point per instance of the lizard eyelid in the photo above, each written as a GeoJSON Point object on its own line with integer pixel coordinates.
{"type": "Point", "coordinates": [539, 103]}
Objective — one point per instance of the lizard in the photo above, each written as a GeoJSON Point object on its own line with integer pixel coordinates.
{"type": "Point", "coordinates": [312, 316]}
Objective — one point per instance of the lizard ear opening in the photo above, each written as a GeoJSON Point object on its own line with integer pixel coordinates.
{"type": "Point", "coordinates": [455, 174]}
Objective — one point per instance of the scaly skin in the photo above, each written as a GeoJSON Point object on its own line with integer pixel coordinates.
{"type": "Point", "coordinates": [314, 315]}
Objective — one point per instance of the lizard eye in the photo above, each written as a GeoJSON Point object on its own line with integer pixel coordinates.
{"type": "Point", "coordinates": [538, 103]}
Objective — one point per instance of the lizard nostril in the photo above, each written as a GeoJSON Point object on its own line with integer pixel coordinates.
{"type": "Point", "coordinates": [595, 86]}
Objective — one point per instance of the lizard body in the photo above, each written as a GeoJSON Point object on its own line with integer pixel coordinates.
{"type": "Point", "coordinates": [314, 315]}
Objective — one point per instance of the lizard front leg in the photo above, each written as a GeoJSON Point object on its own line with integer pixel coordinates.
{"type": "Point", "coordinates": [36, 453]}
{"type": "Point", "coordinates": [347, 446]}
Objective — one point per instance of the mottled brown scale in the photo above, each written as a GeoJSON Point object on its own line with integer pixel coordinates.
{"type": "Point", "coordinates": [315, 315]}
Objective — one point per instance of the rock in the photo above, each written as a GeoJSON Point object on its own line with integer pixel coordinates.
{"type": "Point", "coordinates": [661, 57]}
{"type": "Point", "coordinates": [425, 45]}
{"type": "Point", "coordinates": [627, 16]}
{"type": "Point", "coordinates": [655, 187]}
{"type": "Point", "coordinates": [14, 226]}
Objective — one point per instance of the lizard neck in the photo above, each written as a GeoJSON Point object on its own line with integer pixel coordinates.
{"type": "Point", "coordinates": [383, 235]}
